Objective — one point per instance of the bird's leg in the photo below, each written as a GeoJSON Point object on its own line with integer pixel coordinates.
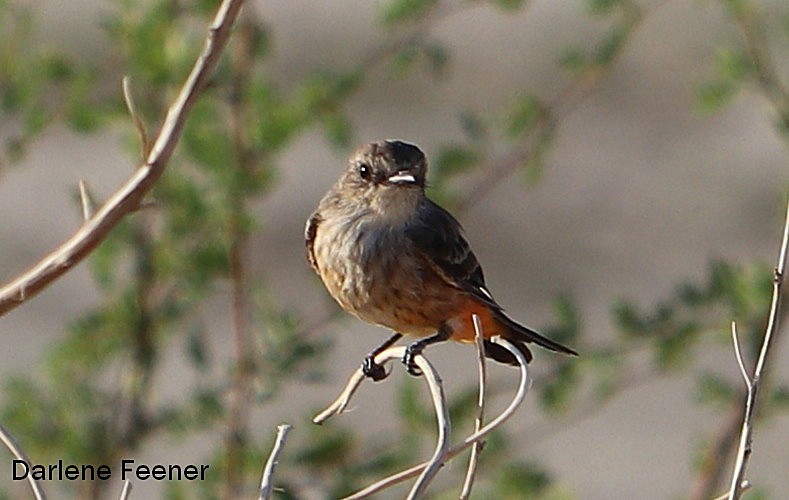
{"type": "Point", "coordinates": [372, 369]}
{"type": "Point", "coordinates": [417, 347]}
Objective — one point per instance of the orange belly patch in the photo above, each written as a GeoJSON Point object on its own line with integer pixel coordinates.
{"type": "Point", "coordinates": [462, 324]}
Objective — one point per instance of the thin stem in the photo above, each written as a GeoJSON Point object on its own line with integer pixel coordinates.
{"type": "Point", "coordinates": [442, 415]}
{"type": "Point", "coordinates": [744, 449]}
{"type": "Point", "coordinates": [267, 480]}
{"type": "Point", "coordinates": [126, 491]}
{"type": "Point", "coordinates": [738, 354]}
{"type": "Point", "coordinates": [241, 384]}
{"type": "Point", "coordinates": [468, 482]}
{"type": "Point", "coordinates": [10, 443]}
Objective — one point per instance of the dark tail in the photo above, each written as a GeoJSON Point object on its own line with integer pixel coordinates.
{"type": "Point", "coordinates": [519, 335]}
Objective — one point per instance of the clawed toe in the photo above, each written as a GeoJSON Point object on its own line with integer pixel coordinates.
{"type": "Point", "coordinates": [373, 370]}
{"type": "Point", "coordinates": [409, 360]}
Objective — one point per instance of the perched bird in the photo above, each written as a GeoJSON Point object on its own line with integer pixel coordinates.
{"type": "Point", "coordinates": [391, 256]}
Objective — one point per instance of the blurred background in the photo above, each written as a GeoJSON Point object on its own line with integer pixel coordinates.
{"type": "Point", "coordinates": [620, 168]}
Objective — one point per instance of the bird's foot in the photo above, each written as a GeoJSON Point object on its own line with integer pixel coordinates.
{"type": "Point", "coordinates": [373, 370]}
{"type": "Point", "coordinates": [409, 359]}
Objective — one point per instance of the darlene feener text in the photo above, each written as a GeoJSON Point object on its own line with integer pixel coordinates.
{"type": "Point", "coordinates": [129, 469]}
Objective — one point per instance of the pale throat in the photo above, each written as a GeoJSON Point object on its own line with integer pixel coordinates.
{"type": "Point", "coordinates": [396, 205]}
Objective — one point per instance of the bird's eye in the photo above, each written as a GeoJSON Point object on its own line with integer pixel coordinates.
{"type": "Point", "coordinates": [365, 172]}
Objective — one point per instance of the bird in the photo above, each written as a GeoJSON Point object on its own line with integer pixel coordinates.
{"type": "Point", "coordinates": [391, 256]}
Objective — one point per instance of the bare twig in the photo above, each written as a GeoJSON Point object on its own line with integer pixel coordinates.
{"type": "Point", "coordinates": [126, 491]}
{"type": "Point", "coordinates": [128, 197]}
{"type": "Point", "coordinates": [128, 98]}
{"type": "Point", "coordinates": [18, 452]}
{"type": "Point", "coordinates": [523, 388]}
{"type": "Point", "coordinates": [744, 450]}
{"type": "Point", "coordinates": [468, 482]}
{"type": "Point", "coordinates": [746, 485]}
{"type": "Point", "coordinates": [267, 480]}
{"type": "Point", "coordinates": [442, 414]}
{"type": "Point", "coordinates": [85, 201]}
{"type": "Point", "coordinates": [738, 354]}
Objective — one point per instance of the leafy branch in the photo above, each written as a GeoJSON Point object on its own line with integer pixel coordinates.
{"type": "Point", "coordinates": [129, 196]}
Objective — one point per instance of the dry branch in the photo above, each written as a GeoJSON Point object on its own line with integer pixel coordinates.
{"type": "Point", "coordinates": [439, 403]}
{"type": "Point", "coordinates": [129, 196]}
{"type": "Point", "coordinates": [267, 480]}
{"type": "Point", "coordinates": [10, 443]}
{"type": "Point", "coordinates": [520, 395]}
{"type": "Point", "coordinates": [126, 491]}
{"type": "Point", "coordinates": [753, 382]}
{"type": "Point", "coordinates": [471, 472]}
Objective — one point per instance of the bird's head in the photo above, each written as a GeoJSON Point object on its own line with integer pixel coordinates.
{"type": "Point", "coordinates": [387, 175]}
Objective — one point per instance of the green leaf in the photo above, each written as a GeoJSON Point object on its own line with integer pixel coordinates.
{"type": "Point", "coordinates": [611, 45]}
{"type": "Point", "coordinates": [520, 480]}
{"type": "Point", "coordinates": [573, 59]}
{"type": "Point", "coordinates": [338, 130]}
{"type": "Point", "coordinates": [779, 397]}
{"type": "Point", "coordinates": [405, 59]}
{"type": "Point", "coordinates": [673, 350]}
{"type": "Point", "coordinates": [206, 139]}
{"type": "Point", "coordinates": [733, 64]}
{"type": "Point", "coordinates": [628, 318]}
{"type": "Point", "coordinates": [398, 11]}
{"type": "Point", "coordinates": [714, 389]}
{"type": "Point", "coordinates": [437, 57]}
{"type": "Point", "coordinates": [472, 125]}
{"type": "Point", "coordinates": [523, 115]}
{"type": "Point", "coordinates": [602, 7]}
{"type": "Point", "coordinates": [453, 160]}
{"type": "Point", "coordinates": [326, 449]}
{"type": "Point", "coordinates": [714, 95]}
{"type": "Point", "coordinates": [557, 393]}
{"type": "Point", "coordinates": [509, 5]}
{"type": "Point", "coordinates": [411, 409]}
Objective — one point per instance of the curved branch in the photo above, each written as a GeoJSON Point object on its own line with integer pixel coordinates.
{"type": "Point", "coordinates": [128, 197]}
{"type": "Point", "coordinates": [10, 443]}
{"type": "Point", "coordinates": [432, 466]}
{"type": "Point", "coordinates": [471, 472]}
{"type": "Point", "coordinates": [442, 414]}
{"type": "Point", "coordinates": [523, 388]}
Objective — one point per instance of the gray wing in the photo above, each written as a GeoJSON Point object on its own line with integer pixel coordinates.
{"type": "Point", "coordinates": [439, 237]}
{"type": "Point", "coordinates": [309, 238]}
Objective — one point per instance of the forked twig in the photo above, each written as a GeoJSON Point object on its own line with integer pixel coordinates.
{"type": "Point", "coordinates": [752, 383]}
{"type": "Point", "coordinates": [267, 480]}
{"type": "Point", "coordinates": [523, 388]}
{"type": "Point", "coordinates": [18, 452]}
{"type": "Point", "coordinates": [471, 472]}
